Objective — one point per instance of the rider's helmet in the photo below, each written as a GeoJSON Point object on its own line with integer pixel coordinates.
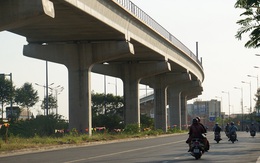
{"type": "Point", "coordinates": [252, 124]}
{"type": "Point", "coordinates": [232, 123]}
{"type": "Point", "coordinates": [217, 123]}
{"type": "Point", "coordinates": [195, 121]}
{"type": "Point", "coordinates": [227, 124]}
{"type": "Point", "coordinates": [198, 118]}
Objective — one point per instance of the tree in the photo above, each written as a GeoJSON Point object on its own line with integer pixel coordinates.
{"type": "Point", "coordinates": [98, 103]}
{"type": "Point", "coordinates": [107, 110]}
{"type": "Point", "coordinates": [250, 22]}
{"type": "Point", "coordinates": [256, 116]}
{"type": "Point", "coordinates": [107, 104]}
{"type": "Point", "coordinates": [26, 96]}
{"type": "Point", "coordinates": [6, 92]}
{"type": "Point", "coordinates": [114, 105]}
{"type": "Point", "coordinates": [257, 104]}
{"type": "Point", "coordinates": [52, 103]}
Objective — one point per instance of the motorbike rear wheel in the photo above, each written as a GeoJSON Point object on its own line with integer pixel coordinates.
{"type": "Point", "coordinates": [197, 156]}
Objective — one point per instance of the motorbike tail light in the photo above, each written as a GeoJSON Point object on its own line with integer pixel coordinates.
{"type": "Point", "coordinates": [196, 143]}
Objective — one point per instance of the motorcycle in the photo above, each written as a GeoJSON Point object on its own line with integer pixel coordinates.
{"type": "Point", "coordinates": [227, 134]}
{"type": "Point", "coordinates": [252, 133]}
{"type": "Point", "coordinates": [233, 137]}
{"type": "Point", "coordinates": [197, 148]}
{"type": "Point", "coordinates": [217, 137]}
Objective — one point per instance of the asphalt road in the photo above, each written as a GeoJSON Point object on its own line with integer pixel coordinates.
{"type": "Point", "coordinates": [165, 149]}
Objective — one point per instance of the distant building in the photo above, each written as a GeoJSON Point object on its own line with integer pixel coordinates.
{"type": "Point", "coordinates": [24, 114]}
{"type": "Point", "coordinates": [208, 111]}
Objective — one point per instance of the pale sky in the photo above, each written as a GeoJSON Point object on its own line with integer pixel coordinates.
{"type": "Point", "coordinates": [211, 23]}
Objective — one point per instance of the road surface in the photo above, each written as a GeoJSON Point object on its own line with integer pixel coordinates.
{"type": "Point", "coordinates": [163, 149]}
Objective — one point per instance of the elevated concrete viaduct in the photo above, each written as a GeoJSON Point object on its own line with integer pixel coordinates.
{"type": "Point", "coordinates": [187, 95]}
{"type": "Point", "coordinates": [160, 83]}
{"type": "Point", "coordinates": [178, 99]}
{"type": "Point", "coordinates": [131, 73]}
{"type": "Point", "coordinates": [85, 34]}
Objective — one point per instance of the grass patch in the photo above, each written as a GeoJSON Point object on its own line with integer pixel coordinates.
{"type": "Point", "coordinates": [17, 143]}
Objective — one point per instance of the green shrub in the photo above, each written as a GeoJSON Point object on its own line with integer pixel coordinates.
{"type": "Point", "coordinates": [110, 122]}
{"type": "Point", "coordinates": [132, 129]}
{"type": "Point", "coordinates": [146, 122]}
{"type": "Point", "coordinates": [174, 130]}
{"type": "Point", "coordinates": [40, 126]}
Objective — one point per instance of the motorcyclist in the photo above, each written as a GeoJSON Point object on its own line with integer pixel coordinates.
{"type": "Point", "coordinates": [227, 129]}
{"type": "Point", "coordinates": [252, 128]}
{"type": "Point", "coordinates": [217, 129]}
{"type": "Point", "coordinates": [206, 142]}
{"type": "Point", "coordinates": [198, 118]}
{"type": "Point", "coordinates": [232, 129]}
{"type": "Point", "coordinates": [195, 131]}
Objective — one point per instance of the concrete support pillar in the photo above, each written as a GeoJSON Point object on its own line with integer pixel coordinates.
{"type": "Point", "coordinates": [131, 79]}
{"type": "Point", "coordinates": [184, 114]}
{"type": "Point", "coordinates": [177, 90]}
{"type": "Point", "coordinates": [192, 93]}
{"type": "Point", "coordinates": [80, 115]}
{"type": "Point", "coordinates": [174, 107]}
{"type": "Point", "coordinates": [79, 59]}
{"type": "Point", "coordinates": [178, 97]}
{"type": "Point", "coordinates": [131, 73]}
{"type": "Point", "coordinates": [160, 113]}
{"type": "Point", "coordinates": [160, 84]}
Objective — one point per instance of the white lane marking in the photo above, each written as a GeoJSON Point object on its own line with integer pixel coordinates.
{"type": "Point", "coordinates": [127, 151]}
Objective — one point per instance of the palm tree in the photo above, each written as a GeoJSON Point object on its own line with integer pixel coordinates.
{"type": "Point", "coordinates": [250, 23]}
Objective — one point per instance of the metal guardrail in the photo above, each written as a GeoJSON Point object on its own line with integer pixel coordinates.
{"type": "Point", "coordinates": [135, 10]}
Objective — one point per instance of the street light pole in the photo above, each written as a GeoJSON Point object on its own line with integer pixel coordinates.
{"type": "Point", "coordinates": [105, 91]}
{"type": "Point", "coordinates": [43, 94]}
{"type": "Point", "coordinates": [11, 100]}
{"type": "Point", "coordinates": [242, 108]}
{"type": "Point", "coordinates": [228, 104]}
{"type": "Point", "coordinates": [58, 89]}
{"type": "Point", "coordinates": [46, 96]}
{"type": "Point", "coordinates": [256, 79]}
{"type": "Point", "coordinates": [115, 84]}
{"type": "Point", "coordinates": [250, 94]}
{"type": "Point", "coordinates": [220, 110]}
{"type": "Point", "coordinates": [250, 109]}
